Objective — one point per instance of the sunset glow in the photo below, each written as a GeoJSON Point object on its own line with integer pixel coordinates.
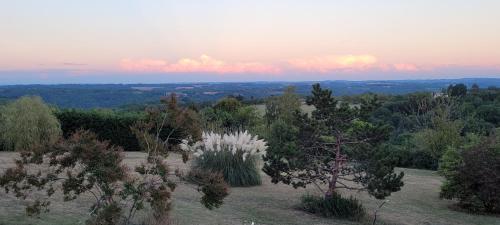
{"type": "Point", "coordinates": [100, 41]}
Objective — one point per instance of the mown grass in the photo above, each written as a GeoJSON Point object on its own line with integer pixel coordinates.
{"type": "Point", "coordinates": [417, 203]}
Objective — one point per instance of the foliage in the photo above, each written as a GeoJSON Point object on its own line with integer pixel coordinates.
{"type": "Point", "coordinates": [228, 104]}
{"type": "Point", "coordinates": [404, 152]}
{"type": "Point", "coordinates": [333, 146]}
{"type": "Point", "coordinates": [116, 126]}
{"type": "Point", "coordinates": [174, 123]}
{"type": "Point", "coordinates": [106, 124]}
{"type": "Point", "coordinates": [443, 131]}
{"type": "Point", "coordinates": [457, 90]}
{"type": "Point", "coordinates": [473, 176]}
{"type": "Point", "coordinates": [333, 206]}
{"type": "Point", "coordinates": [87, 96]}
{"type": "Point", "coordinates": [436, 141]}
{"type": "Point", "coordinates": [214, 187]}
{"type": "Point", "coordinates": [82, 164]}
{"type": "Point", "coordinates": [75, 166]}
{"type": "Point", "coordinates": [233, 155]}
{"type": "Point", "coordinates": [229, 114]}
{"type": "Point", "coordinates": [282, 107]}
{"type": "Point", "coordinates": [27, 123]}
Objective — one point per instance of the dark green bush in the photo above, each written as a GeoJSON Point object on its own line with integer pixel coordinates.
{"type": "Point", "coordinates": [107, 125]}
{"type": "Point", "coordinates": [422, 160]}
{"type": "Point", "coordinates": [236, 171]}
{"type": "Point", "coordinates": [473, 176]}
{"type": "Point", "coordinates": [411, 158]}
{"type": "Point", "coordinates": [334, 206]}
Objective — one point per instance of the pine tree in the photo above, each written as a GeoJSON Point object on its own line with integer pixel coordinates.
{"type": "Point", "coordinates": [335, 146]}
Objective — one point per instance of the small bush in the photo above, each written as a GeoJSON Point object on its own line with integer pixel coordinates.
{"type": "Point", "coordinates": [213, 186]}
{"type": "Point", "coordinates": [237, 172]}
{"type": "Point", "coordinates": [334, 206]}
{"type": "Point", "coordinates": [235, 156]}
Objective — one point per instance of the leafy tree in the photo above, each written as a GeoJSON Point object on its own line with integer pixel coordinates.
{"type": "Point", "coordinates": [474, 90]}
{"type": "Point", "coordinates": [228, 104]}
{"type": "Point", "coordinates": [334, 147]}
{"type": "Point", "coordinates": [490, 113]}
{"type": "Point", "coordinates": [436, 141]}
{"type": "Point", "coordinates": [282, 107]}
{"type": "Point", "coordinates": [458, 90]}
{"type": "Point", "coordinates": [229, 114]}
{"type": "Point", "coordinates": [177, 123]}
{"type": "Point", "coordinates": [26, 123]}
{"type": "Point", "coordinates": [473, 176]}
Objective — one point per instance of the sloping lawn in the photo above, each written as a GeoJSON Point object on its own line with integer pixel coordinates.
{"type": "Point", "coordinates": [417, 203]}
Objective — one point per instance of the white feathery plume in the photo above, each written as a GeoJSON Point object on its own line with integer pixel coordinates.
{"type": "Point", "coordinates": [242, 143]}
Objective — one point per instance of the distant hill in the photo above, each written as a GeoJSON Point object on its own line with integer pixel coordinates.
{"type": "Point", "coordinates": [116, 95]}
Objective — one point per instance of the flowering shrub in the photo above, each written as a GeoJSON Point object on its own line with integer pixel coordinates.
{"type": "Point", "coordinates": [234, 155]}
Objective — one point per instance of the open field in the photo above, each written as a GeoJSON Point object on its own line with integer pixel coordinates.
{"type": "Point", "coordinates": [417, 203]}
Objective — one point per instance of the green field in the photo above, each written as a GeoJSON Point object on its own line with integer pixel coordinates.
{"type": "Point", "coordinates": [417, 203]}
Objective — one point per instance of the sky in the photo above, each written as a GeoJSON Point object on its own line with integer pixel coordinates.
{"type": "Point", "coordinates": [133, 41]}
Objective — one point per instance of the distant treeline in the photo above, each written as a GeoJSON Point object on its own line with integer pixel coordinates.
{"type": "Point", "coordinates": [135, 96]}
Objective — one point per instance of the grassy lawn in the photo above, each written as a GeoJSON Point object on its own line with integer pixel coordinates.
{"type": "Point", "coordinates": [417, 203]}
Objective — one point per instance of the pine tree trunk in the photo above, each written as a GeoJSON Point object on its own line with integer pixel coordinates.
{"type": "Point", "coordinates": [339, 159]}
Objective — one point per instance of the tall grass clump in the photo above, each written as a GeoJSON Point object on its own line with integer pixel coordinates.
{"type": "Point", "coordinates": [234, 155]}
{"type": "Point", "coordinates": [333, 206]}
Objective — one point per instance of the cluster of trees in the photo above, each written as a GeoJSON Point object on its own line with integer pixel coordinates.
{"type": "Point", "coordinates": [230, 114]}
{"type": "Point", "coordinates": [356, 142]}
{"type": "Point", "coordinates": [453, 132]}
{"type": "Point", "coordinates": [350, 143]}
{"type": "Point", "coordinates": [81, 164]}
{"type": "Point", "coordinates": [426, 124]}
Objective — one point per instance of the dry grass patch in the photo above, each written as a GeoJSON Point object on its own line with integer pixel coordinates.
{"type": "Point", "coordinates": [417, 203]}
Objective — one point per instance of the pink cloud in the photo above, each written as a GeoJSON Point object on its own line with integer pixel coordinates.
{"type": "Point", "coordinates": [406, 67]}
{"type": "Point", "coordinates": [319, 64]}
{"type": "Point", "coordinates": [203, 64]}
{"type": "Point", "coordinates": [331, 63]}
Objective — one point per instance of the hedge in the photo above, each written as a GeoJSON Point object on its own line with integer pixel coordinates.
{"type": "Point", "coordinates": [108, 125]}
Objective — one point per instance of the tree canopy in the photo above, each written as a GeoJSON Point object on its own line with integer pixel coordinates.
{"type": "Point", "coordinates": [334, 146]}
{"type": "Point", "coordinates": [28, 122]}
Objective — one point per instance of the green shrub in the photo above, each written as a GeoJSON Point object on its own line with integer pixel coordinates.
{"type": "Point", "coordinates": [233, 155]}
{"type": "Point", "coordinates": [237, 172]}
{"type": "Point", "coordinates": [334, 206]}
{"type": "Point", "coordinates": [115, 127]}
{"type": "Point", "coordinates": [26, 123]}
{"type": "Point", "coordinates": [230, 114]}
{"type": "Point", "coordinates": [473, 176]}
{"type": "Point", "coordinates": [107, 125]}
